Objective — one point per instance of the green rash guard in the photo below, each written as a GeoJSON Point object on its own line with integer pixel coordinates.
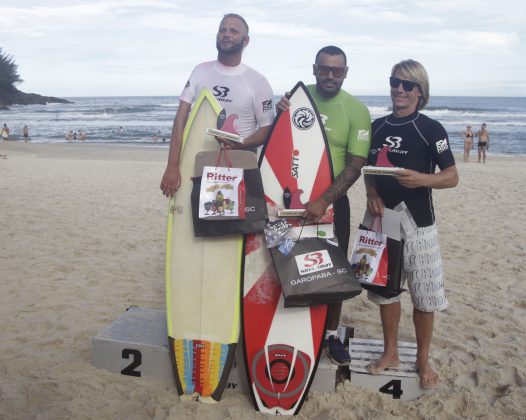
{"type": "Point", "coordinates": [347, 124]}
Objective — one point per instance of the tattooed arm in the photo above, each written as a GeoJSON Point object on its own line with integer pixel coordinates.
{"type": "Point", "coordinates": [316, 209]}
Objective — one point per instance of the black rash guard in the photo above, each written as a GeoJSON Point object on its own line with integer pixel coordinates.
{"type": "Point", "coordinates": [415, 142]}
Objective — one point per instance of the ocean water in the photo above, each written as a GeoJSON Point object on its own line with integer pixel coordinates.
{"type": "Point", "coordinates": [505, 119]}
{"type": "Point", "coordinates": [142, 117]}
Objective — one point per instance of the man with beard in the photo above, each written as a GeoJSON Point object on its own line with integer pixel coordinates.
{"type": "Point", "coordinates": [347, 123]}
{"type": "Point", "coordinates": [245, 95]}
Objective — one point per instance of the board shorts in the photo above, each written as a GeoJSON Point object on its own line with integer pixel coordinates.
{"type": "Point", "coordinates": [422, 269]}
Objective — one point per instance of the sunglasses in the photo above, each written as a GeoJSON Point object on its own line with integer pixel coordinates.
{"type": "Point", "coordinates": [406, 84]}
{"type": "Point", "coordinates": [325, 70]}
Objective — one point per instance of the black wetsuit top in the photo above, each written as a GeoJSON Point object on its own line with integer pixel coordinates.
{"type": "Point", "coordinates": [415, 142]}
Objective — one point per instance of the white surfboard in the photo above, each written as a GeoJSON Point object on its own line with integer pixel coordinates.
{"type": "Point", "coordinates": [202, 278]}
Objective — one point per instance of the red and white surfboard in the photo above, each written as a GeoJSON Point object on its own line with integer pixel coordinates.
{"type": "Point", "coordinates": [283, 345]}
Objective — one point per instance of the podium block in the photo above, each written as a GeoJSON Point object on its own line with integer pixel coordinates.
{"type": "Point", "coordinates": [401, 382]}
{"type": "Point", "coordinates": [136, 344]}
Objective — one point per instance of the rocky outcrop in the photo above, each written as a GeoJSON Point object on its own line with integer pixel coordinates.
{"type": "Point", "coordinates": [16, 97]}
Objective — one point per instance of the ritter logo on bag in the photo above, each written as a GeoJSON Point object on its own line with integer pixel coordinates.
{"type": "Point", "coordinates": [313, 261]}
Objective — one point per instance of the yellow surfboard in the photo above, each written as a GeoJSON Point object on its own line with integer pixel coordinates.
{"type": "Point", "coordinates": [202, 278]}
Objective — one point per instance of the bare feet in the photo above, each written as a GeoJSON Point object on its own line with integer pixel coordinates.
{"type": "Point", "coordinates": [428, 377]}
{"type": "Point", "coordinates": [383, 363]}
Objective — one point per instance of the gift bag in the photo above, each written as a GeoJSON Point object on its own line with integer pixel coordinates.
{"type": "Point", "coordinates": [255, 209]}
{"type": "Point", "coordinates": [369, 259]}
{"type": "Point", "coordinates": [315, 272]}
{"type": "Point", "coordinates": [222, 193]}
{"type": "Point", "coordinates": [255, 206]}
{"type": "Point", "coordinates": [394, 256]}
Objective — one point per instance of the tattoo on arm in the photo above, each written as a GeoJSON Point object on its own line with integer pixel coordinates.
{"type": "Point", "coordinates": [346, 179]}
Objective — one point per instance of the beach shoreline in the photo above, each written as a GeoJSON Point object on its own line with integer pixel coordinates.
{"type": "Point", "coordinates": [83, 238]}
{"type": "Point", "coordinates": [141, 120]}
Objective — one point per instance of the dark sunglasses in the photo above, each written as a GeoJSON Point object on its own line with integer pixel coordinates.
{"type": "Point", "coordinates": [406, 84]}
{"type": "Point", "coordinates": [325, 70]}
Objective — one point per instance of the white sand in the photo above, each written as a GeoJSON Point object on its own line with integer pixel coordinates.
{"type": "Point", "coordinates": [82, 232]}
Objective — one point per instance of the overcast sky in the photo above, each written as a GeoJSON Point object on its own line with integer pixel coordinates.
{"type": "Point", "coordinates": [149, 47]}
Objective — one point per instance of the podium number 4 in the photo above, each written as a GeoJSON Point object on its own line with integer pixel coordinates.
{"type": "Point", "coordinates": [136, 362]}
{"type": "Point", "coordinates": [393, 388]}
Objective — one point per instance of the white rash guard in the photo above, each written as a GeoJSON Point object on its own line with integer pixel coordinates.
{"type": "Point", "coordinates": [244, 93]}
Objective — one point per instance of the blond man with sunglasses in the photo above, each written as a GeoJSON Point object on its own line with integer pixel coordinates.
{"type": "Point", "coordinates": [347, 124]}
{"type": "Point", "coordinates": [410, 140]}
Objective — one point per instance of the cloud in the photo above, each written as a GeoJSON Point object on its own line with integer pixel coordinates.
{"type": "Point", "coordinates": [450, 43]}
{"type": "Point", "coordinates": [472, 41]}
{"type": "Point", "coordinates": [136, 41]}
{"type": "Point", "coordinates": [39, 21]}
{"type": "Point", "coordinates": [288, 30]}
{"type": "Point", "coordinates": [35, 21]}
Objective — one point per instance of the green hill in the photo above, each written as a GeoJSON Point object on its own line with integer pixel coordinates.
{"type": "Point", "coordinates": [9, 94]}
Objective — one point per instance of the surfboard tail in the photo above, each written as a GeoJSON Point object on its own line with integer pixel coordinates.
{"type": "Point", "coordinates": [201, 367]}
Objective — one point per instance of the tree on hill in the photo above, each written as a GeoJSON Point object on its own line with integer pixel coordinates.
{"type": "Point", "coordinates": [9, 94]}
{"type": "Point", "coordinates": [8, 72]}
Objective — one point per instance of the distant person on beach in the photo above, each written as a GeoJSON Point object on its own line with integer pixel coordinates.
{"type": "Point", "coordinates": [25, 131]}
{"type": "Point", "coordinates": [69, 135]}
{"type": "Point", "coordinates": [244, 93]}
{"type": "Point", "coordinates": [483, 136]}
{"type": "Point", "coordinates": [347, 123]}
{"type": "Point", "coordinates": [411, 140]}
{"type": "Point", "coordinates": [81, 135]}
{"type": "Point", "coordinates": [5, 132]}
{"type": "Point", "coordinates": [468, 142]}
{"type": "Point", "coordinates": [5, 136]}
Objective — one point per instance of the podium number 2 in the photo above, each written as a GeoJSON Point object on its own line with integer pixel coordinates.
{"type": "Point", "coordinates": [137, 360]}
{"type": "Point", "coordinates": [393, 388]}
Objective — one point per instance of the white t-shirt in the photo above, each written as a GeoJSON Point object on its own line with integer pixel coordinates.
{"type": "Point", "coordinates": [244, 94]}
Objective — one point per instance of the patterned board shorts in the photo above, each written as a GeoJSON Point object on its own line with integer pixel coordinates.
{"type": "Point", "coordinates": [423, 271]}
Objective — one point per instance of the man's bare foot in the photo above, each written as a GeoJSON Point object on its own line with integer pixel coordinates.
{"type": "Point", "coordinates": [383, 363]}
{"type": "Point", "coordinates": [428, 377]}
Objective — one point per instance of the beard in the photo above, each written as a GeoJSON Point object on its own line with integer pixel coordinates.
{"type": "Point", "coordinates": [328, 87]}
{"type": "Point", "coordinates": [233, 49]}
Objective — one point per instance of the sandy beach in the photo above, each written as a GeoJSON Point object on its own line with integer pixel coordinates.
{"type": "Point", "coordinates": [82, 236]}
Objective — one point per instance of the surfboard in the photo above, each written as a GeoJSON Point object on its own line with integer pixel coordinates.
{"type": "Point", "coordinates": [282, 345]}
{"type": "Point", "coordinates": [203, 276]}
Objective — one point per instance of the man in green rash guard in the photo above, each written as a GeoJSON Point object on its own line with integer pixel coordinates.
{"type": "Point", "coordinates": [347, 124]}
